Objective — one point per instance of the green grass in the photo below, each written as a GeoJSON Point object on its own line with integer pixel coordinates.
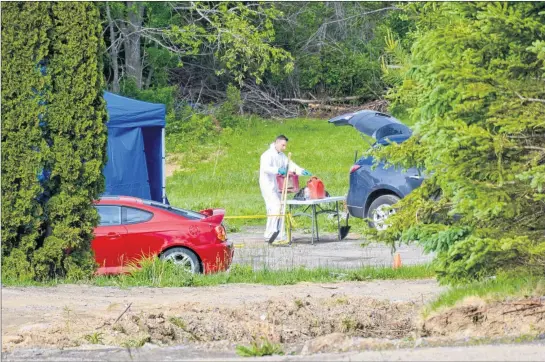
{"type": "Point", "coordinates": [265, 348]}
{"type": "Point", "coordinates": [500, 288]}
{"type": "Point", "coordinates": [227, 175]}
{"type": "Point", "coordinates": [157, 273]}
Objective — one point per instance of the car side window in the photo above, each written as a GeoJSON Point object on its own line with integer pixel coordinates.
{"type": "Point", "coordinates": [133, 215]}
{"type": "Point", "coordinates": [109, 215]}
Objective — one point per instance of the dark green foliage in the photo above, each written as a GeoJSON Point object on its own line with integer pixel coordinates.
{"type": "Point", "coordinates": [335, 47]}
{"type": "Point", "coordinates": [473, 86]}
{"type": "Point", "coordinates": [47, 225]}
{"type": "Point", "coordinates": [23, 148]}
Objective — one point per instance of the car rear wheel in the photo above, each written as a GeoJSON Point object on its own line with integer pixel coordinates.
{"type": "Point", "coordinates": [379, 211]}
{"type": "Point", "coordinates": [183, 258]}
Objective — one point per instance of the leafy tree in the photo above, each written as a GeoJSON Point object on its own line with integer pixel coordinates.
{"type": "Point", "coordinates": [53, 138]}
{"type": "Point", "coordinates": [229, 38]}
{"type": "Point", "coordinates": [335, 46]}
{"type": "Point", "coordinates": [473, 85]}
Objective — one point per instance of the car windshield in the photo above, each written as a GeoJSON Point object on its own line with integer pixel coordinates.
{"type": "Point", "coordinates": [181, 212]}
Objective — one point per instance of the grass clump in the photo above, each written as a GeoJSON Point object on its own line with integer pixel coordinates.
{"type": "Point", "coordinates": [178, 322]}
{"type": "Point", "coordinates": [95, 338]}
{"type": "Point", "coordinates": [259, 349]}
{"type": "Point", "coordinates": [152, 272]}
{"type": "Point", "coordinates": [503, 286]}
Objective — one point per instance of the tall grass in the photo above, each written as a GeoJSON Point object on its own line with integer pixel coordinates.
{"type": "Point", "coordinates": [155, 272]}
{"type": "Point", "coordinates": [228, 176]}
{"type": "Point", "coordinates": [158, 273]}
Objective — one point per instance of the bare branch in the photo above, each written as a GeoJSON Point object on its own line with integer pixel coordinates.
{"type": "Point", "coordinates": [524, 99]}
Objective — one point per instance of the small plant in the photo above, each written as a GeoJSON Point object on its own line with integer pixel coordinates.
{"type": "Point", "coordinates": [298, 303]}
{"type": "Point", "coordinates": [136, 342]}
{"type": "Point", "coordinates": [68, 317]}
{"type": "Point", "coordinates": [94, 338]}
{"type": "Point", "coordinates": [178, 322]}
{"type": "Point", "coordinates": [255, 349]}
{"type": "Point", "coordinates": [348, 324]}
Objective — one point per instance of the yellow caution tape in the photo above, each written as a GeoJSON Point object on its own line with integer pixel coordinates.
{"type": "Point", "coordinates": [251, 216]}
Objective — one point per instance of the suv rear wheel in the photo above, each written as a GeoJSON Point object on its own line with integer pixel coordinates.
{"type": "Point", "coordinates": [379, 211]}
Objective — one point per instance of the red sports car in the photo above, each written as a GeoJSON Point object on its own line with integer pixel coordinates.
{"type": "Point", "coordinates": [132, 228]}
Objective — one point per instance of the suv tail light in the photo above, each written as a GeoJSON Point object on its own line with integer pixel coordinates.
{"type": "Point", "coordinates": [354, 168]}
{"type": "Point", "coordinates": [220, 233]}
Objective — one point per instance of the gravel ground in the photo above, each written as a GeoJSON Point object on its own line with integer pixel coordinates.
{"type": "Point", "coordinates": [347, 253]}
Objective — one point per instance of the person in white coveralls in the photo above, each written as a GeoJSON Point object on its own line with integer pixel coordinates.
{"type": "Point", "coordinates": [274, 162]}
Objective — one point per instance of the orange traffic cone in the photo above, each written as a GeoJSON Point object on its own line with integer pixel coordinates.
{"type": "Point", "coordinates": [397, 261]}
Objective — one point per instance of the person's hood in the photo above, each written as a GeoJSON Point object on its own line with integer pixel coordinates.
{"type": "Point", "coordinates": [372, 123]}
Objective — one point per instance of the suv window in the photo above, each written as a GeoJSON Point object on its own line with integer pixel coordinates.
{"type": "Point", "coordinates": [132, 215]}
{"type": "Point", "coordinates": [109, 215]}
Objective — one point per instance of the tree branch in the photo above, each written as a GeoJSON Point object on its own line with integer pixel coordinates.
{"type": "Point", "coordinates": [524, 99]}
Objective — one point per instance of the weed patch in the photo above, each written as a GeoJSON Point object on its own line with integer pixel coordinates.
{"type": "Point", "coordinates": [259, 349]}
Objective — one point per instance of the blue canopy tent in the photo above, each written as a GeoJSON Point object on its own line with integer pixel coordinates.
{"type": "Point", "coordinates": [136, 148]}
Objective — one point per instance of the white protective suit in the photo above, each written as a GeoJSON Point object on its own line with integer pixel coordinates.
{"type": "Point", "coordinates": [271, 161]}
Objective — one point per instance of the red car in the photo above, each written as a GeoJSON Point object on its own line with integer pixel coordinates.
{"type": "Point", "coordinates": [132, 228]}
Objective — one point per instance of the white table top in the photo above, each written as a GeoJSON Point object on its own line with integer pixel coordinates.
{"type": "Point", "coordinates": [316, 201]}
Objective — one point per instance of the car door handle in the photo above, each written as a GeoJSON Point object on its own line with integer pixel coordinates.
{"type": "Point", "coordinates": [113, 235]}
{"type": "Point", "coordinates": [415, 177]}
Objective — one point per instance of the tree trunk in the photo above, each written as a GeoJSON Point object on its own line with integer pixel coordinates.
{"type": "Point", "coordinates": [133, 58]}
{"type": "Point", "coordinates": [114, 50]}
{"type": "Point", "coordinates": [148, 78]}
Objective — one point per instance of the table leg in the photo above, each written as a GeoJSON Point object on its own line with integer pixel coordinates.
{"type": "Point", "coordinates": [313, 224]}
{"type": "Point", "coordinates": [316, 223]}
{"type": "Point", "coordinates": [338, 220]}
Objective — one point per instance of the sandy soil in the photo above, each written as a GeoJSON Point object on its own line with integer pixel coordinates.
{"type": "Point", "coordinates": [476, 318]}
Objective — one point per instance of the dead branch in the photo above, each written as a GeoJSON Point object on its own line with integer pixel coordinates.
{"type": "Point", "coordinates": [125, 311]}
{"type": "Point", "coordinates": [532, 306]}
{"type": "Point", "coordinates": [525, 99]}
{"type": "Point", "coordinates": [325, 100]}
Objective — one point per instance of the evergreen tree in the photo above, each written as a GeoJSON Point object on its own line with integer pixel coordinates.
{"type": "Point", "coordinates": [25, 46]}
{"type": "Point", "coordinates": [474, 89]}
{"type": "Point", "coordinates": [53, 137]}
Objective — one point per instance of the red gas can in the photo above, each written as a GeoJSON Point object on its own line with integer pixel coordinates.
{"type": "Point", "coordinates": [293, 182]}
{"type": "Point", "coordinates": [316, 188]}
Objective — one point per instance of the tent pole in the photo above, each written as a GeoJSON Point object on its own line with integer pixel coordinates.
{"type": "Point", "coordinates": [164, 181]}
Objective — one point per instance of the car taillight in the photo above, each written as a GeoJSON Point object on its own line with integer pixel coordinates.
{"type": "Point", "coordinates": [220, 232]}
{"type": "Point", "coordinates": [354, 168]}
